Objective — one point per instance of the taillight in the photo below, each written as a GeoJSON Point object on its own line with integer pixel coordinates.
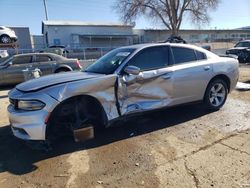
{"type": "Point", "coordinates": [78, 64]}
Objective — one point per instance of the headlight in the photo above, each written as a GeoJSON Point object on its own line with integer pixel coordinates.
{"type": "Point", "coordinates": [30, 105]}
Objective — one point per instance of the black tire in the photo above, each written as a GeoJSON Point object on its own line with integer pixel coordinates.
{"type": "Point", "coordinates": [73, 114]}
{"type": "Point", "coordinates": [242, 57]}
{"type": "Point", "coordinates": [5, 39]}
{"type": "Point", "coordinates": [62, 70]}
{"type": "Point", "coordinates": [216, 94]}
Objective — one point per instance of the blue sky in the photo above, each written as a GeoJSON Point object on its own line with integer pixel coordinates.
{"type": "Point", "coordinates": [230, 13]}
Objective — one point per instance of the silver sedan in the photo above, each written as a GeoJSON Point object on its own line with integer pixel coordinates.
{"type": "Point", "coordinates": [12, 69]}
{"type": "Point", "coordinates": [125, 81]}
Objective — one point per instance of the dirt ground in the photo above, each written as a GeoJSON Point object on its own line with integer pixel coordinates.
{"type": "Point", "coordinates": [179, 147]}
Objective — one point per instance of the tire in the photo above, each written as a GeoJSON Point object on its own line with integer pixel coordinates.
{"type": "Point", "coordinates": [61, 70]}
{"type": "Point", "coordinates": [5, 39]}
{"type": "Point", "coordinates": [242, 57]}
{"type": "Point", "coordinates": [216, 94]}
{"type": "Point", "coordinates": [73, 114]}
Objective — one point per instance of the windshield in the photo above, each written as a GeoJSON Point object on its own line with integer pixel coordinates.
{"type": "Point", "coordinates": [243, 44]}
{"type": "Point", "coordinates": [6, 60]}
{"type": "Point", "coordinates": [108, 63]}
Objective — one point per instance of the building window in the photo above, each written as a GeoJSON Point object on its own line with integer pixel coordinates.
{"type": "Point", "coordinates": [57, 42]}
{"type": "Point", "coordinates": [213, 36]}
{"type": "Point", "coordinates": [194, 37]}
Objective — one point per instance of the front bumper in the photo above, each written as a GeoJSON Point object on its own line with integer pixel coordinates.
{"type": "Point", "coordinates": [13, 39]}
{"type": "Point", "coordinates": [28, 125]}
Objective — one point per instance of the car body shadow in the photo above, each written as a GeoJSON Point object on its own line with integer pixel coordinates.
{"type": "Point", "coordinates": [17, 158]}
{"type": "Point", "coordinates": [9, 87]}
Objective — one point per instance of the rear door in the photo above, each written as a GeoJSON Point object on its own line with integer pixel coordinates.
{"type": "Point", "coordinates": [192, 72]}
{"type": "Point", "coordinates": [44, 63]}
{"type": "Point", "coordinates": [152, 88]}
{"type": "Point", "coordinates": [13, 73]}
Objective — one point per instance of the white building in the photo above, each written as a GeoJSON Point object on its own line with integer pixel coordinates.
{"type": "Point", "coordinates": [77, 34]}
{"type": "Point", "coordinates": [81, 35]}
{"type": "Point", "coordinates": [194, 36]}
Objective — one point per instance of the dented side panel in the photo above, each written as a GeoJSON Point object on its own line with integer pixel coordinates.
{"type": "Point", "coordinates": [146, 91]}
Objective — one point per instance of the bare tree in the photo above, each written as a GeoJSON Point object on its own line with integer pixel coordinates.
{"type": "Point", "coordinates": [169, 12]}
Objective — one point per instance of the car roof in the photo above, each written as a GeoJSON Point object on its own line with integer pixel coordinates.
{"type": "Point", "coordinates": [138, 47]}
{"type": "Point", "coordinates": [248, 40]}
{"type": "Point", "coordinates": [141, 46]}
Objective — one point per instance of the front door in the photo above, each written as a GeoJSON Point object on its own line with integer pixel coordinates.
{"type": "Point", "coordinates": [152, 88]}
{"type": "Point", "coordinates": [13, 73]}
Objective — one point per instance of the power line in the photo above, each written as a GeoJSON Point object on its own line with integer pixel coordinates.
{"type": "Point", "coordinates": [45, 8]}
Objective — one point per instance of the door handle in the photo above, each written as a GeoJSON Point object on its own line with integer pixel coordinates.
{"type": "Point", "coordinates": [206, 68]}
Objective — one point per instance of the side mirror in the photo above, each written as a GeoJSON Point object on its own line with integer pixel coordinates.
{"type": "Point", "coordinates": [10, 63]}
{"type": "Point", "coordinates": [132, 70]}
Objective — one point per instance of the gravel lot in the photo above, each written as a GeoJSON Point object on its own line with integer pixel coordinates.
{"type": "Point", "coordinates": [179, 147]}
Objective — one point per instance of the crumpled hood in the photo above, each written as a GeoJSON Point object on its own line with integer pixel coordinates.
{"type": "Point", "coordinates": [54, 79]}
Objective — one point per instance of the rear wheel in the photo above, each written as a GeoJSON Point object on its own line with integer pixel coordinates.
{"type": "Point", "coordinates": [5, 39]}
{"type": "Point", "coordinates": [216, 94]}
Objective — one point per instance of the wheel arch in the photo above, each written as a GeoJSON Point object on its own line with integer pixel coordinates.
{"type": "Point", "coordinates": [62, 67]}
{"type": "Point", "coordinates": [4, 34]}
{"type": "Point", "coordinates": [94, 102]}
{"type": "Point", "coordinates": [225, 78]}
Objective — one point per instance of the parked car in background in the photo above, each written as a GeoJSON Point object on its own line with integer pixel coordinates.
{"type": "Point", "coordinates": [57, 49]}
{"type": "Point", "coordinates": [125, 81]}
{"type": "Point", "coordinates": [242, 50]}
{"type": "Point", "coordinates": [7, 35]}
{"type": "Point", "coordinates": [176, 39]}
{"type": "Point", "coordinates": [11, 70]}
{"type": "Point", "coordinates": [59, 46]}
{"type": "Point", "coordinates": [3, 53]}
{"type": "Point", "coordinates": [207, 47]}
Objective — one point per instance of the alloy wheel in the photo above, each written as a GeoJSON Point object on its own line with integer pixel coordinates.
{"type": "Point", "coordinates": [217, 94]}
{"type": "Point", "coordinates": [5, 39]}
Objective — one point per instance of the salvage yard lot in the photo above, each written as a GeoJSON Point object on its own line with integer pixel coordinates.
{"type": "Point", "coordinates": [179, 147]}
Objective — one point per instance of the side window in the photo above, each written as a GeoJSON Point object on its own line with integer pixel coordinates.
{"type": "Point", "coordinates": [151, 58]}
{"type": "Point", "coordinates": [200, 55]}
{"type": "Point", "coordinates": [22, 60]}
{"type": "Point", "coordinates": [43, 58]}
{"type": "Point", "coordinates": [182, 55]}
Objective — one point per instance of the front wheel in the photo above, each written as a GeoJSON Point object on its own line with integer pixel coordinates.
{"type": "Point", "coordinates": [216, 94]}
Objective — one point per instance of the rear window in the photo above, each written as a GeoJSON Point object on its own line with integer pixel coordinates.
{"type": "Point", "coordinates": [200, 55]}
{"type": "Point", "coordinates": [182, 55]}
{"type": "Point", "coordinates": [43, 58]}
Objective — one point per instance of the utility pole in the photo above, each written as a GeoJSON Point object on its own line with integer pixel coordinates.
{"type": "Point", "coordinates": [45, 8]}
